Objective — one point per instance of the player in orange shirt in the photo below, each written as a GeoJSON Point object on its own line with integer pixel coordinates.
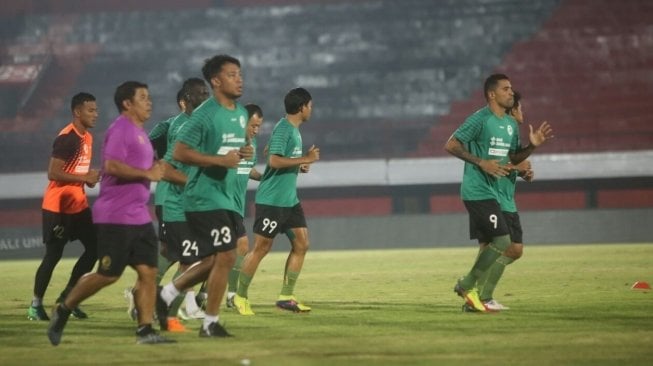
{"type": "Point", "coordinates": [66, 214]}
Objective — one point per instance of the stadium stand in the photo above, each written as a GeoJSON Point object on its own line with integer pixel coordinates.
{"type": "Point", "coordinates": [390, 78]}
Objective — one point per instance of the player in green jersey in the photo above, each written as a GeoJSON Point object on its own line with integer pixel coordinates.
{"type": "Point", "coordinates": [506, 191]}
{"type": "Point", "coordinates": [213, 143]}
{"type": "Point", "coordinates": [246, 171]}
{"type": "Point", "coordinates": [277, 206]}
{"type": "Point", "coordinates": [487, 142]}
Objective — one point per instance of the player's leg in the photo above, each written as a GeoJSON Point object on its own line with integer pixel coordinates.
{"type": "Point", "coordinates": [495, 272]}
{"type": "Point", "coordinates": [485, 215]}
{"type": "Point", "coordinates": [242, 247]}
{"type": "Point", "coordinates": [267, 223]}
{"type": "Point", "coordinates": [55, 237]}
{"type": "Point", "coordinates": [82, 228]}
{"type": "Point", "coordinates": [293, 268]}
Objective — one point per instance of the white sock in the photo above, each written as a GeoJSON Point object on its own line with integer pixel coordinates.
{"type": "Point", "coordinates": [208, 319]}
{"type": "Point", "coordinates": [37, 301]}
{"type": "Point", "coordinates": [169, 292]}
{"type": "Point", "coordinates": [191, 305]}
{"type": "Point", "coordinates": [230, 294]}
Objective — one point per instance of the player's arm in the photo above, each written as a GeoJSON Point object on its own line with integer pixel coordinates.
{"type": "Point", "coordinates": [173, 175]}
{"type": "Point", "coordinates": [187, 155]}
{"type": "Point", "coordinates": [127, 172]}
{"type": "Point", "coordinates": [281, 162]}
{"type": "Point", "coordinates": [457, 149]}
{"type": "Point", "coordinates": [56, 173]}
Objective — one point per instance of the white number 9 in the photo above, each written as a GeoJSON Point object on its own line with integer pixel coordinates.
{"type": "Point", "coordinates": [494, 220]}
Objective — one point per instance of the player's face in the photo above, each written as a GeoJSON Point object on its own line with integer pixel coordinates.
{"type": "Point", "coordinates": [87, 114]}
{"type": "Point", "coordinates": [140, 106]}
{"type": "Point", "coordinates": [503, 94]}
{"type": "Point", "coordinates": [307, 111]}
{"type": "Point", "coordinates": [229, 81]}
{"type": "Point", "coordinates": [253, 125]}
{"type": "Point", "coordinates": [197, 96]}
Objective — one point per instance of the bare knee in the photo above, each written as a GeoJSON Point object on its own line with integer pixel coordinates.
{"type": "Point", "coordinates": [514, 251]}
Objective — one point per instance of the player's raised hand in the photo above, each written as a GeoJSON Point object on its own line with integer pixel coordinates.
{"type": "Point", "coordinates": [539, 136]}
{"type": "Point", "coordinates": [313, 154]}
{"type": "Point", "coordinates": [493, 167]}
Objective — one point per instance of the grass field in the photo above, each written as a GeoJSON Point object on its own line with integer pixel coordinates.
{"type": "Point", "coordinates": [570, 305]}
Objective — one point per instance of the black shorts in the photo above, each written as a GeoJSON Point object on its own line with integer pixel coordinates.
{"type": "Point", "coordinates": [60, 228]}
{"type": "Point", "coordinates": [158, 211]}
{"type": "Point", "coordinates": [271, 220]}
{"type": "Point", "coordinates": [120, 246]}
{"type": "Point", "coordinates": [240, 227]}
{"type": "Point", "coordinates": [180, 245]}
{"type": "Point", "coordinates": [486, 221]}
{"type": "Point", "coordinates": [214, 231]}
{"type": "Point", "coordinates": [514, 225]}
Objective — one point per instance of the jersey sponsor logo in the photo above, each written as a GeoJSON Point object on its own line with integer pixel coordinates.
{"type": "Point", "coordinates": [242, 170]}
{"type": "Point", "coordinates": [297, 152]}
{"type": "Point", "coordinates": [498, 141]}
{"type": "Point", "coordinates": [497, 152]}
{"type": "Point", "coordinates": [510, 130]}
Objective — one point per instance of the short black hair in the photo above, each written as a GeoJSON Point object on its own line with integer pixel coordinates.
{"type": "Point", "coordinates": [491, 83]}
{"type": "Point", "coordinates": [253, 109]}
{"type": "Point", "coordinates": [213, 65]}
{"type": "Point", "coordinates": [296, 99]}
{"type": "Point", "coordinates": [80, 98]}
{"type": "Point", "coordinates": [126, 91]}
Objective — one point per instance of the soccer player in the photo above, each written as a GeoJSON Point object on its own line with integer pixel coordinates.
{"type": "Point", "coordinates": [66, 214]}
{"type": "Point", "coordinates": [487, 142]}
{"type": "Point", "coordinates": [192, 93]}
{"type": "Point", "coordinates": [213, 143]}
{"type": "Point", "coordinates": [178, 239]}
{"type": "Point", "coordinates": [125, 232]}
{"type": "Point", "coordinates": [246, 171]}
{"type": "Point", "coordinates": [277, 206]}
{"type": "Point", "coordinates": [506, 190]}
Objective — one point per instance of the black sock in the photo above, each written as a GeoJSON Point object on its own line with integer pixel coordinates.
{"type": "Point", "coordinates": [144, 330]}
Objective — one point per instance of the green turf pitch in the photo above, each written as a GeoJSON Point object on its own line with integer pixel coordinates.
{"type": "Point", "coordinates": [570, 305]}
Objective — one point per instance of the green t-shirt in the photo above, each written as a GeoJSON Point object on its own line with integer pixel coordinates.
{"type": "Point", "coordinates": [244, 168]}
{"type": "Point", "coordinates": [213, 129]}
{"type": "Point", "coordinates": [490, 138]}
{"type": "Point", "coordinates": [173, 205]}
{"type": "Point", "coordinates": [278, 187]}
{"type": "Point", "coordinates": [158, 137]}
{"type": "Point", "coordinates": [506, 188]}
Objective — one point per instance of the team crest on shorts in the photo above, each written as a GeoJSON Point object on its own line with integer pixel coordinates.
{"type": "Point", "coordinates": [105, 263]}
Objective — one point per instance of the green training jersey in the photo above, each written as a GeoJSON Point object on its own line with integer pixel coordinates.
{"type": "Point", "coordinates": [506, 187]}
{"type": "Point", "coordinates": [490, 138]}
{"type": "Point", "coordinates": [244, 168]}
{"type": "Point", "coordinates": [278, 187]}
{"type": "Point", "coordinates": [158, 137]}
{"type": "Point", "coordinates": [213, 129]}
{"type": "Point", "coordinates": [173, 205]}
